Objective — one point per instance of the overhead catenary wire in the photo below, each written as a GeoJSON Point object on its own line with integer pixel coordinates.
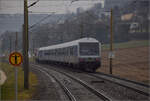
{"type": "Point", "coordinates": [39, 21]}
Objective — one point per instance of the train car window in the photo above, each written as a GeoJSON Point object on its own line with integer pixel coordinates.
{"type": "Point", "coordinates": [46, 52]}
{"type": "Point", "coordinates": [55, 52]}
{"type": "Point", "coordinates": [58, 52]}
{"type": "Point", "coordinates": [40, 53]}
{"type": "Point", "coordinates": [65, 51]}
{"type": "Point", "coordinates": [75, 51]}
{"type": "Point", "coordinates": [71, 51]}
{"type": "Point", "coordinates": [50, 52]}
{"type": "Point", "coordinates": [61, 51]}
{"type": "Point", "coordinates": [68, 50]}
{"type": "Point", "coordinates": [89, 49]}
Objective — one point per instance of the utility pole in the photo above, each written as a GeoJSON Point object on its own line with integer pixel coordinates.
{"type": "Point", "coordinates": [16, 42]}
{"type": "Point", "coordinates": [26, 44]}
{"type": "Point", "coordinates": [9, 44]}
{"type": "Point", "coordinates": [25, 47]}
{"type": "Point", "coordinates": [111, 40]}
{"type": "Point", "coordinates": [33, 46]}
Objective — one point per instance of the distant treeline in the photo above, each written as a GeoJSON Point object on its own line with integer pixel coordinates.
{"type": "Point", "coordinates": [89, 23]}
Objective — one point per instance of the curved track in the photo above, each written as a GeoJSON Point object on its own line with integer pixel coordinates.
{"type": "Point", "coordinates": [66, 90]}
{"type": "Point", "coordinates": [84, 84]}
{"type": "Point", "coordinates": [115, 90]}
{"type": "Point", "coordinates": [133, 85]}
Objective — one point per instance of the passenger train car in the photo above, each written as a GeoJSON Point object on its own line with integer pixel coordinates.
{"type": "Point", "coordinates": [84, 54]}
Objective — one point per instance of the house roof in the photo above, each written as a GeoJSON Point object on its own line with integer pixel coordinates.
{"type": "Point", "coordinates": [127, 16]}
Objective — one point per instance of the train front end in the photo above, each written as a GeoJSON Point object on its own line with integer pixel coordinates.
{"type": "Point", "coordinates": [89, 55]}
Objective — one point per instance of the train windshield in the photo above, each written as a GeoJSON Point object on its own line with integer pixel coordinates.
{"type": "Point", "coordinates": [89, 49]}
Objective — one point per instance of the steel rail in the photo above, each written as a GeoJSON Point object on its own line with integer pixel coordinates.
{"type": "Point", "coordinates": [66, 90]}
{"type": "Point", "coordinates": [135, 82]}
{"type": "Point", "coordinates": [119, 83]}
{"type": "Point", "coordinates": [146, 92]}
{"type": "Point", "coordinates": [89, 87]}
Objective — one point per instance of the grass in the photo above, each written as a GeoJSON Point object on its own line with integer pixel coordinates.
{"type": "Point", "coordinates": [8, 89]}
{"type": "Point", "coordinates": [130, 63]}
{"type": "Point", "coordinates": [130, 44]}
{"type": "Point", "coordinates": [31, 59]}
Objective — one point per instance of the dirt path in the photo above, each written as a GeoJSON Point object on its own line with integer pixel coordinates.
{"type": "Point", "coordinates": [130, 63]}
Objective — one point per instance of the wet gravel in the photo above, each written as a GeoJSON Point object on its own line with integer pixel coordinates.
{"type": "Point", "coordinates": [47, 89]}
{"type": "Point", "coordinates": [114, 91]}
{"type": "Point", "coordinates": [79, 91]}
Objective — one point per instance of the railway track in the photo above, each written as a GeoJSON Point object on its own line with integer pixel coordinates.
{"type": "Point", "coordinates": [133, 85]}
{"type": "Point", "coordinates": [66, 90]}
{"type": "Point", "coordinates": [84, 84]}
{"type": "Point", "coordinates": [119, 78]}
{"type": "Point", "coordinates": [136, 86]}
{"type": "Point", "coordinates": [130, 90]}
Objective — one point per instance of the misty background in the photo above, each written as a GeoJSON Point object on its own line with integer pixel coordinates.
{"type": "Point", "coordinates": [74, 21]}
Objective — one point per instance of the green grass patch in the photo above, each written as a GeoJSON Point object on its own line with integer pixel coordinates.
{"type": "Point", "coordinates": [130, 44]}
{"type": "Point", "coordinates": [31, 59]}
{"type": "Point", "coordinates": [8, 89]}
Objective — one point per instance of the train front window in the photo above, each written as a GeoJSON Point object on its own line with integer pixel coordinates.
{"type": "Point", "coordinates": [89, 49]}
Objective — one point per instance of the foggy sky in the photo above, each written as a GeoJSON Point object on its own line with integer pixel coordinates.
{"type": "Point", "coordinates": [58, 6]}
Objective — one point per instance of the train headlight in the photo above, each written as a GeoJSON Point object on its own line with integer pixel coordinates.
{"type": "Point", "coordinates": [97, 59]}
{"type": "Point", "coordinates": [81, 60]}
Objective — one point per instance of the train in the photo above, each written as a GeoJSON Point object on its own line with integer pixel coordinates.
{"type": "Point", "coordinates": [84, 54]}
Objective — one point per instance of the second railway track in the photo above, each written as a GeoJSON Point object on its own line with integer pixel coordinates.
{"type": "Point", "coordinates": [142, 89]}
